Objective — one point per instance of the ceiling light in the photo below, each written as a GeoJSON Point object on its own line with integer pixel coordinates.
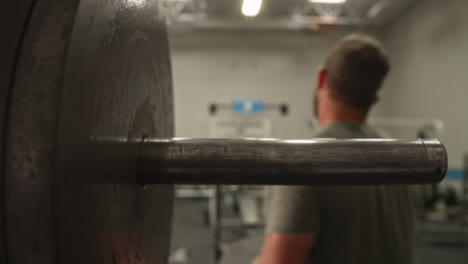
{"type": "Point", "coordinates": [328, 1]}
{"type": "Point", "coordinates": [251, 7]}
{"type": "Point", "coordinates": [376, 9]}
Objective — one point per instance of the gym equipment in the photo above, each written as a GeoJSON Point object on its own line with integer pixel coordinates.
{"type": "Point", "coordinates": [291, 162]}
{"type": "Point", "coordinates": [82, 70]}
{"type": "Point", "coordinates": [86, 105]}
{"type": "Point", "coordinates": [269, 161]}
{"type": "Point", "coordinates": [254, 106]}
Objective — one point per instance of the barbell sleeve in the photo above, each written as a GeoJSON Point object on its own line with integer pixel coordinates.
{"type": "Point", "coordinates": [291, 162]}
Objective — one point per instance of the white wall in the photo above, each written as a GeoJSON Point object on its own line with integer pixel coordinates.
{"type": "Point", "coordinates": [429, 50]}
{"type": "Point", "coordinates": [274, 67]}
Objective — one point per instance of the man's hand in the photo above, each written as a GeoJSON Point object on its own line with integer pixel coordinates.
{"type": "Point", "coordinates": [285, 249]}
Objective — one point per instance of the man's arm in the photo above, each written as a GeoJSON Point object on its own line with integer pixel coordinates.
{"type": "Point", "coordinates": [286, 248]}
{"type": "Point", "coordinates": [292, 224]}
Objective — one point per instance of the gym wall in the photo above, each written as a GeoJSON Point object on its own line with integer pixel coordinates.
{"type": "Point", "coordinates": [429, 50]}
{"type": "Point", "coordinates": [277, 67]}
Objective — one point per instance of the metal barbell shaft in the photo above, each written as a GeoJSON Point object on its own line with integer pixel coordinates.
{"type": "Point", "coordinates": [291, 162]}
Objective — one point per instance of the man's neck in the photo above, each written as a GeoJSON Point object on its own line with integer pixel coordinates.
{"type": "Point", "coordinates": [333, 111]}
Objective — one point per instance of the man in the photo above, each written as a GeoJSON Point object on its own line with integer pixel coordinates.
{"type": "Point", "coordinates": [342, 224]}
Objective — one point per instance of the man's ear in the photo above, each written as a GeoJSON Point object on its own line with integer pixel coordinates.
{"type": "Point", "coordinates": [321, 79]}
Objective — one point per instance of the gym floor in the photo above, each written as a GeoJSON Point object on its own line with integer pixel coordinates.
{"type": "Point", "coordinates": [193, 241]}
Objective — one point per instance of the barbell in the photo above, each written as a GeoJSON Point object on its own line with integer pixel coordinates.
{"type": "Point", "coordinates": [267, 161]}
{"type": "Point", "coordinates": [88, 155]}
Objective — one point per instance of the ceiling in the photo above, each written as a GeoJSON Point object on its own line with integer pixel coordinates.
{"type": "Point", "coordinates": [280, 14]}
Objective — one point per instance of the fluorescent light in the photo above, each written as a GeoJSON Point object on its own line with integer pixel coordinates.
{"type": "Point", "coordinates": [376, 9]}
{"type": "Point", "coordinates": [251, 7]}
{"type": "Point", "coordinates": [328, 1]}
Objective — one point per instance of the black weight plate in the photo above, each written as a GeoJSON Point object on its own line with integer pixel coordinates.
{"type": "Point", "coordinates": [88, 70]}
{"type": "Point", "coordinates": [13, 19]}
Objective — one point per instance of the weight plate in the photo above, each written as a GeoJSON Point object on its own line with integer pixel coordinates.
{"type": "Point", "coordinates": [87, 70]}
{"type": "Point", "coordinates": [13, 18]}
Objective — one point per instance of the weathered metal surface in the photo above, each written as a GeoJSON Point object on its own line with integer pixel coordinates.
{"type": "Point", "coordinates": [87, 69]}
{"type": "Point", "coordinates": [273, 161]}
{"type": "Point", "coordinates": [292, 162]}
{"type": "Point", "coordinates": [13, 18]}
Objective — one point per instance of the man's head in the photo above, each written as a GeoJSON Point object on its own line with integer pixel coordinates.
{"type": "Point", "coordinates": [353, 72]}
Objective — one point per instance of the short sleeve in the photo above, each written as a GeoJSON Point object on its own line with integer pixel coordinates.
{"type": "Point", "coordinates": [293, 209]}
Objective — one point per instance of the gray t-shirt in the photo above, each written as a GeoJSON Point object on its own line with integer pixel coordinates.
{"type": "Point", "coordinates": [353, 224]}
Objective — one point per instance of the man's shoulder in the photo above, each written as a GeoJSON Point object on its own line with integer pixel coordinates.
{"type": "Point", "coordinates": [344, 130]}
{"type": "Point", "coordinates": [336, 130]}
{"type": "Point", "coordinates": [330, 133]}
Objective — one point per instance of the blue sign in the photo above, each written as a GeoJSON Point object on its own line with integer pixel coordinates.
{"type": "Point", "coordinates": [454, 174]}
{"type": "Point", "coordinates": [248, 106]}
